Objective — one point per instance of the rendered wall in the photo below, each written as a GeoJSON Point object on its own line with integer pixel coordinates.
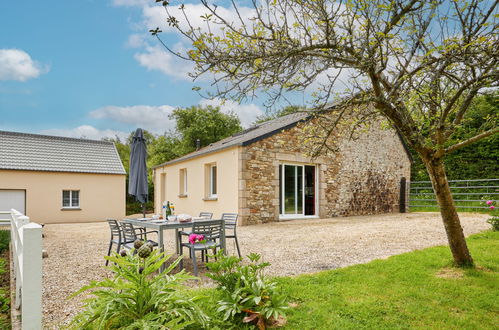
{"type": "Point", "coordinates": [101, 195]}
{"type": "Point", "coordinates": [167, 184]}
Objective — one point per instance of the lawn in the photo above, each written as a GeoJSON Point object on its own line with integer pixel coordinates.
{"type": "Point", "coordinates": [412, 290]}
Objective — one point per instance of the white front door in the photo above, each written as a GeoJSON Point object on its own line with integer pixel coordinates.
{"type": "Point", "coordinates": [12, 199]}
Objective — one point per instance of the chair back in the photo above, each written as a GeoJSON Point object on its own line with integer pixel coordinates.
{"type": "Point", "coordinates": [210, 229]}
{"type": "Point", "coordinates": [207, 215]}
{"type": "Point", "coordinates": [128, 232]}
{"type": "Point", "coordinates": [230, 220]}
{"type": "Point", "coordinates": [115, 228]}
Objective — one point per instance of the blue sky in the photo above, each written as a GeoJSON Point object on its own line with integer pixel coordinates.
{"type": "Point", "coordinates": [89, 68]}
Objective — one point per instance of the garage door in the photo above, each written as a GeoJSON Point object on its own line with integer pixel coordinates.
{"type": "Point", "coordinates": [12, 199]}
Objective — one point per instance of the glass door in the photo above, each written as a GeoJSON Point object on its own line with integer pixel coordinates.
{"type": "Point", "coordinates": [297, 190]}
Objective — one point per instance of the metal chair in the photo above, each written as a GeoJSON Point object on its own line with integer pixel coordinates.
{"type": "Point", "coordinates": [116, 236]}
{"type": "Point", "coordinates": [230, 226]}
{"type": "Point", "coordinates": [212, 231]}
{"type": "Point", "coordinates": [130, 235]}
{"type": "Point", "coordinates": [207, 215]}
{"type": "Point", "coordinates": [184, 232]}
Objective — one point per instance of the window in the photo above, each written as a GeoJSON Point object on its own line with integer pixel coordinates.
{"type": "Point", "coordinates": [213, 180]}
{"type": "Point", "coordinates": [183, 182]}
{"type": "Point", "coordinates": [70, 199]}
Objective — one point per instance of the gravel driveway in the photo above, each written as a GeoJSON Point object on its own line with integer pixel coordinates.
{"type": "Point", "coordinates": [293, 247]}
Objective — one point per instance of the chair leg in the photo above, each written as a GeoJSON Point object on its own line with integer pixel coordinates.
{"type": "Point", "coordinates": [109, 251]}
{"type": "Point", "coordinates": [182, 259]}
{"type": "Point", "coordinates": [194, 263]}
{"type": "Point", "coordinates": [237, 245]}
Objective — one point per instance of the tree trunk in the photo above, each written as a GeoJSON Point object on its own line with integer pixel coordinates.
{"type": "Point", "coordinates": [455, 235]}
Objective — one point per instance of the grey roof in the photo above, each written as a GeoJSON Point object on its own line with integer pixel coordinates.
{"type": "Point", "coordinates": [33, 152]}
{"type": "Point", "coordinates": [246, 137]}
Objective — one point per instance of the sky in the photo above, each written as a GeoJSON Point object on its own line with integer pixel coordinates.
{"type": "Point", "coordinates": [90, 69]}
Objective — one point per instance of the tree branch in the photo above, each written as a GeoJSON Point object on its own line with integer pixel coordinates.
{"type": "Point", "coordinates": [472, 140]}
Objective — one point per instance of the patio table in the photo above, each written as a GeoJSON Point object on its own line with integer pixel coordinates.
{"type": "Point", "coordinates": [161, 225]}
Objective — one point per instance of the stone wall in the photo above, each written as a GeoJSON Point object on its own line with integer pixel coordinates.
{"type": "Point", "coordinates": [361, 178]}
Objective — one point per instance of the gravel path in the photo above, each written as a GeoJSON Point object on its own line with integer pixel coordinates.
{"type": "Point", "coordinates": [292, 247]}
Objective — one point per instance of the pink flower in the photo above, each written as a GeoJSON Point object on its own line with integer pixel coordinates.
{"type": "Point", "coordinates": [492, 207]}
{"type": "Point", "coordinates": [192, 238]}
{"type": "Point", "coordinates": [490, 202]}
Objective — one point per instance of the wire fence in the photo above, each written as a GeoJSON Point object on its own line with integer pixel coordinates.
{"type": "Point", "coordinates": [467, 194]}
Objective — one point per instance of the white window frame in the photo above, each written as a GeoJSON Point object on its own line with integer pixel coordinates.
{"type": "Point", "coordinates": [71, 206]}
{"type": "Point", "coordinates": [183, 181]}
{"type": "Point", "coordinates": [213, 194]}
{"type": "Point", "coordinates": [284, 216]}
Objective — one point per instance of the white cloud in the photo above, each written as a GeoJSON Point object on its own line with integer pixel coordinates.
{"type": "Point", "coordinates": [152, 118]}
{"type": "Point", "coordinates": [130, 3]}
{"type": "Point", "coordinates": [87, 132]}
{"type": "Point", "coordinates": [152, 55]}
{"type": "Point", "coordinates": [155, 16]}
{"type": "Point", "coordinates": [157, 58]}
{"type": "Point", "coordinates": [136, 40]}
{"type": "Point", "coordinates": [16, 64]}
{"type": "Point", "coordinates": [247, 113]}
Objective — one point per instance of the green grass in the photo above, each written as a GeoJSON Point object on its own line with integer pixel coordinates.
{"type": "Point", "coordinates": [437, 209]}
{"type": "Point", "coordinates": [401, 292]}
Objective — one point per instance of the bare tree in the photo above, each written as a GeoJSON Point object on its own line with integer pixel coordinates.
{"type": "Point", "coordinates": [420, 63]}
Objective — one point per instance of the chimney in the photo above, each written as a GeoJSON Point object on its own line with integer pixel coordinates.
{"type": "Point", "coordinates": [198, 144]}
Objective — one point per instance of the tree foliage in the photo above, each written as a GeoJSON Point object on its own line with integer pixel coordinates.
{"type": "Point", "coordinates": [477, 161]}
{"type": "Point", "coordinates": [206, 124]}
{"type": "Point", "coordinates": [417, 64]}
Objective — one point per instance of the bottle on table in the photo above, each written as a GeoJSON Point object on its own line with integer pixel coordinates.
{"type": "Point", "coordinates": [163, 210]}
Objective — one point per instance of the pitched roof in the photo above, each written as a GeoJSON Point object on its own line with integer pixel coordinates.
{"type": "Point", "coordinates": [33, 152]}
{"type": "Point", "coordinates": [260, 132]}
{"type": "Point", "coordinates": [246, 137]}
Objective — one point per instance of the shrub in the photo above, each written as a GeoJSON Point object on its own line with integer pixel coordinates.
{"type": "Point", "coordinates": [4, 239]}
{"type": "Point", "coordinates": [494, 222]}
{"type": "Point", "coordinates": [247, 295]}
{"type": "Point", "coordinates": [4, 295]}
{"type": "Point", "coordinates": [136, 207]}
{"type": "Point", "coordinates": [135, 298]}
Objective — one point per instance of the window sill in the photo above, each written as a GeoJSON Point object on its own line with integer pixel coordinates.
{"type": "Point", "coordinates": [182, 196]}
{"type": "Point", "coordinates": [71, 209]}
{"type": "Point", "coordinates": [210, 199]}
{"type": "Point", "coordinates": [297, 217]}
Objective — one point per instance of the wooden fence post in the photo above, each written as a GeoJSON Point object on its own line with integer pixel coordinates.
{"type": "Point", "coordinates": [31, 293]}
{"type": "Point", "coordinates": [402, 199]}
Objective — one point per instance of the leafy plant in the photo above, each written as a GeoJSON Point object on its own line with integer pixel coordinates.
{"type": "Point", "coordinates": [494, 221]}
{"type": "Point", "coordinates": [4, 240]}
{"type": "Point", "coordinates": [4, 294]}
{"type": "Point", "coordinates": [136, 298]}
{"type": "Point", "coordinates": [246, 293]}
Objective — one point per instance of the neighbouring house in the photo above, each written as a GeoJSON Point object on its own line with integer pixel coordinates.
{"type": "Point", "coordinates": [264, 174]}
{"type": "Point", "coordinates": [57, 179]}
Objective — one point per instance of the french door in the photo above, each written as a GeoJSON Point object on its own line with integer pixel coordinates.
{"type": "Point", "coordinates": [297, 190]}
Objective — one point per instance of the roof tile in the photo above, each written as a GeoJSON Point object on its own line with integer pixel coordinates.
{"type": "Point", "coordinates": [33, 152]}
